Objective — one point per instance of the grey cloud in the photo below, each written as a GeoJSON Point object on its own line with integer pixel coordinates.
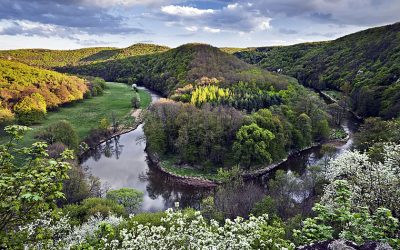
{"type": "Point", "coordinates": [288, 31]}
{"type": "Point", "coordinates": [69, 14]}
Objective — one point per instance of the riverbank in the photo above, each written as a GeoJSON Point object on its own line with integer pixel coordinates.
{"type": "Point", "coordinates": [181, 179]}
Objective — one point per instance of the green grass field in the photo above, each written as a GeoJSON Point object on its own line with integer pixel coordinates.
{"type": "Point", "coordinates": [86, 114]}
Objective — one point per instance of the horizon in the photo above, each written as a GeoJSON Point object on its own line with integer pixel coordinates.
{"type": "Point", "coordinates": [76, 24]}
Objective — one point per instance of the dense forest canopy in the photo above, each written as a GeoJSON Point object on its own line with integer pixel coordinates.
{"type": "Point", "coordinates": [364, 65]}
{"type": "Point", "coordinates": [167, 71]}
{"type": "Point", "coordinates": [45, 58]}
{"type": "Point", "coordinates": [28, 92]}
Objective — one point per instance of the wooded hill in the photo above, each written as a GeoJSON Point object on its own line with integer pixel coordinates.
{"type": "Point", "coordinates": [28, 91]}
{"type": "Point", "coordinates": [173, 69]}
{"type": "Point", "coordinates": [57, 58]}
{"type": "Point", "coordinates": [364, 64]}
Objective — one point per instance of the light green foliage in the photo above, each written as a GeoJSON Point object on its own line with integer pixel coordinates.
{"type": "Point", "coordinates": [130, 198]}
{"type": "Point", "coordinates": [209, 94]}
{"type": "Point", "coordinates": [61, 131]}
{"type": "Point", "coordinates": [92, 206]}
{"type": "Point", "coordinates": [252, 145]}
{"type": "Point", "coordinates": [346, 222]}
{"type": "Point", "coordinates": [30, 186]}
{"type": "Point", "coordinates": [104, 124]}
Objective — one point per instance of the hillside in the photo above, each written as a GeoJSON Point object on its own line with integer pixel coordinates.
{"type": "Point", "coordinates": [175, 68]}
{"type": "Point", "coordinates": [368, 62]}
{"type": "Point", "coordinates": [58, 58]}
{"type": "Point", "coordinates": [25, 89]}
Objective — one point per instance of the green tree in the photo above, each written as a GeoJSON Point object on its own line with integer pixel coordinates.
{"type": "Point", "coordinates": [61, 131]}
{"type": "Point", "coordinates": [252, 145]}
{"type": "Point", "coordinates": [135, 100]}
{"type": "Point", "coordinates": [305, 128]}
{"type": "Point", "coordinates": [130, 198]}
{"type": "Point", "coordinates": [30, 182]}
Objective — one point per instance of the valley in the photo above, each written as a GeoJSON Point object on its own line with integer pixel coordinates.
{"type": "Point", "coordinates": [277, 147]}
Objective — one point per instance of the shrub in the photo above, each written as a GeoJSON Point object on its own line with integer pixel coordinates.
{"type": "Point", "coordinates": [130, 198]}
{"type": "Point", "coordinates": [82, 212]}
{"type": "Point", "coordinates": [135, 101]}
{"type": "Point", "coordinates": [62, 132]}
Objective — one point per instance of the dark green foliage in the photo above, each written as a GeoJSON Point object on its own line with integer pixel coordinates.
{"type": "Point", "coordinates": [195, 136]}
{"type": "Point", "coordinates": [173, 69]}
{"type": "Point", "coordinates": [135, 101]}
{"type": "Point", "coordinates": [376, 131]}
{"type": "Point", "coordinates": [93, 206]}
{"type": "Point", "coordinates": [368, 61]}
{"type": "Point", "coordinates": [61, 131]}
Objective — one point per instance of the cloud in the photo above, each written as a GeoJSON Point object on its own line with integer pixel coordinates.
{"type": "Point", "coordinates": [211, 30]}
{"type": "Point", "coordinates": [192, 28]}
{"type": "Point", "coordinates": [288, 31]}
{"type": "Point", "coordinates": [234, 17]}
{"type": "Point", "coordinates": [67, 14]}
{"type": "Point", "coordinates": [185, 11]}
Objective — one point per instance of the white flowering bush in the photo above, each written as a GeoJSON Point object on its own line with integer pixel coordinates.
{"type": "Point", "coordinates": [372, 184]}
{"type": "Point", "coordinates": [339, 221]}
{"type": "Point", "coordinates": [50, 233]}
{"type": "Point", "coordinates": [181, 231]}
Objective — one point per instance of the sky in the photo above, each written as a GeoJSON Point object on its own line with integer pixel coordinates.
{"type": "Point", "coordinates": [71, 24]}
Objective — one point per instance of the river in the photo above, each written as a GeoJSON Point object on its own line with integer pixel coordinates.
{"type": "Point", "coordinates": [122, 162]}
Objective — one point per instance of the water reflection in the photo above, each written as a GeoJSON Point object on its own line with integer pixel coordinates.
{"type": "Point", "coordinates": [122, 162]}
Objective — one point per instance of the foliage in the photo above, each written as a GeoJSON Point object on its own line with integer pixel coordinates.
{"type": "Point", "coordinates": [340, 220]}
{"type": "Point", "coordinates": [366, 71]}
{"type": "Point", "coordinates": [30, 182]}
{"type": "Point", "coordinates": [80, 213]}
{"type": "Point", "coordinates": [252, 145]}
{"type": "Point", "coordinates": [135, 101]}
{"type": "Point", "coordinates": [168, 71]}
{"type": "Point", "coordinates": [376, 131]}
{"type": "Point", "coordinates": [130, 198]}
{"type": "Point", "coordinates": [372, 184]}
{"type": "Point", "coordinates": [30, 109]}
{"type": "Point", "coordinates": [45, 58]}
{"type": "Point", "coordinates": [175, 127]}
{"type": "Point", "coordinates": [61, 131]}
{"type": "Point", "coordinates": [29, 91]}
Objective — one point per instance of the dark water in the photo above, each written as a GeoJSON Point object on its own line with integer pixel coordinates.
{"type": "Point", "coordinates": [122, 162]}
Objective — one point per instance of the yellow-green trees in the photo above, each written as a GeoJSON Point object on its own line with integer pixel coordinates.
{"type": "Point", "coordinates": [30, 109]}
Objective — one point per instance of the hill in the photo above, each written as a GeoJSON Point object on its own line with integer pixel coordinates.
{"type": "Point", "coordinates": [173, 69]}
{"type": "Point", "coordinates": [365, 64]}
{"type": "Point", "coordinates": [49, 59]}
{"type": "Point", "coordinates": [28, 91]}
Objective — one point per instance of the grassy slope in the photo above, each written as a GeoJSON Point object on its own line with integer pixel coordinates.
{"type": "Point", "coordinates": [86, 114]}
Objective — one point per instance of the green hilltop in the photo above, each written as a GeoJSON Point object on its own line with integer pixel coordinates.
{"type": "Point", "coordinates": [365, 64]}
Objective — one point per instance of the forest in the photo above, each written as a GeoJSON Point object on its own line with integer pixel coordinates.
{"type": "Point", "coordinates": [363, 65]}
{"type": "Point", "coordinates": [272, 131]}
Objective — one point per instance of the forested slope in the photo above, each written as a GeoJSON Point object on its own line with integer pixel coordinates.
{"type": "Point", "coordinates": [57, 58]}
{"type": "Point", "coordinates": [364, 64]}
{"type": "Point", "coordinates": [190, 63]}
{"type": "Point", "coordinates": [28, 91]}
